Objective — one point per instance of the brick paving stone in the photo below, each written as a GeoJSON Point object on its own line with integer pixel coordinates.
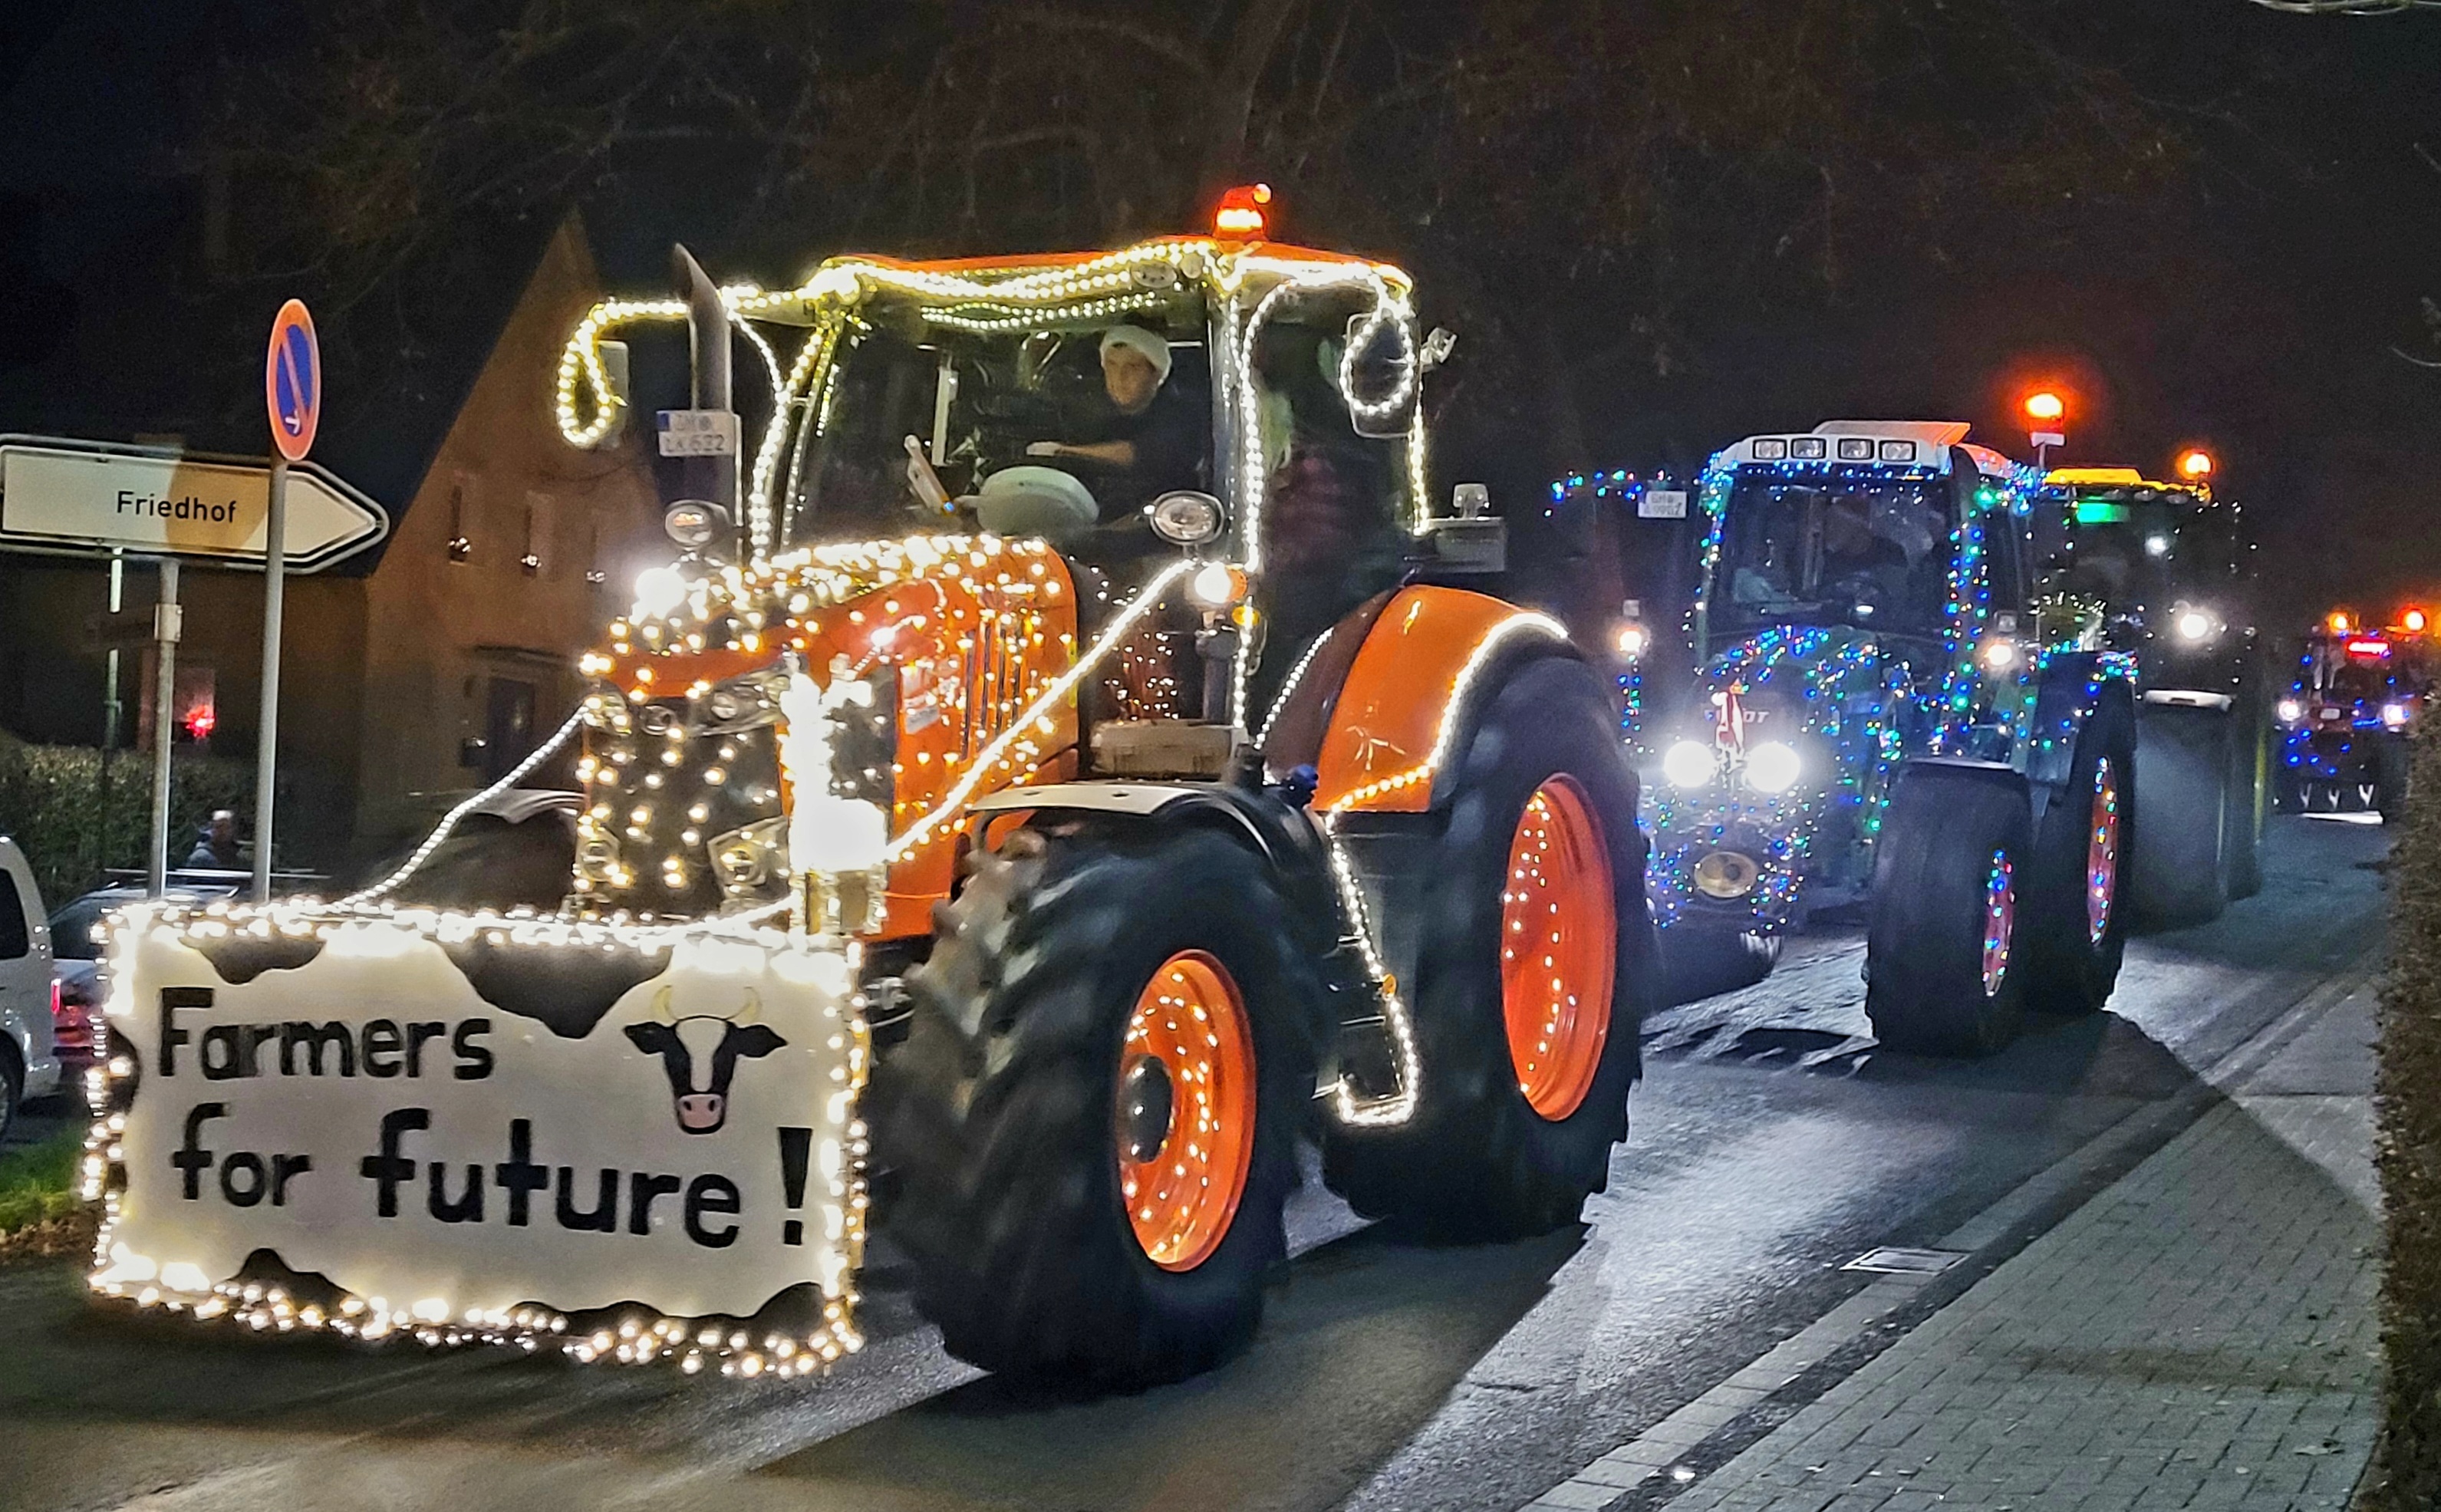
{"type": "Point", "coordinates": [2174, 1342]}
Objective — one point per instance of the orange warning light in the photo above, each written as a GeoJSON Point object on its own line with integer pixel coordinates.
{"type": "Point", "coordinates": [1240, 216]}
{"type": "Point", "coordinates": [2194, 464]}
{"type": "Point", "coordinates": [2045, 406]}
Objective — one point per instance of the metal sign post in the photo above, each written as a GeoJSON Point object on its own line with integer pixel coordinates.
{"type": "Point", "coordinates": [292, 393]}
{"type": "Point", "coordinates": [266, 746]}
{"type": "Point", "coordinates": [165, 694]}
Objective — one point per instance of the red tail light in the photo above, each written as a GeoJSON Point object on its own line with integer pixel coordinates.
{"type": "Point", "coordinates": [57, 1009]}
{"type": "Point", "coordinates": [2368, 648]}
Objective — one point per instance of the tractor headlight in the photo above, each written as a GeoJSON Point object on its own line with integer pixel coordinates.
{"type": "Point", "coordinates": [2394, 715]}
{"type": "Point", "coordinates": [1215, 585]}
{"type": "Point", "coordinates": [1186, 517]}
{"type": "Point", "coordinates": [2289, 710]}
{"type": "Point", "coordinates": [1772, 768]}
{"type": "Point", "coordinates": [659, 591]}
{"type": "Point", "coordinates": [2193, 627]}
{"type": "Point", "coordinates": [1689, 763]}
{"type": "Point", "coordinates": [1632, 639]}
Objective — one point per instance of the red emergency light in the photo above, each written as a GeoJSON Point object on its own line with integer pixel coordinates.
{"type": "Point", "coordinates": [1240, 216]}
{"type": "Point", "coordinates": [2368, 648]}
{"type": "Point", "coordinates": [200, 722]}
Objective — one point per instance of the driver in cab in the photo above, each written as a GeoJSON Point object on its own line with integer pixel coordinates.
{"type": "Point", "coordinates": [1858, 561]}
{"type": "Point", "coordinates": [1146, 443]}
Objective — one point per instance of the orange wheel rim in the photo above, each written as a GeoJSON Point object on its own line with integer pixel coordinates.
{"type": "Point", "coordinates": [1558, 949]}
{"type": "Point", "coordinates": [1184, 1124]}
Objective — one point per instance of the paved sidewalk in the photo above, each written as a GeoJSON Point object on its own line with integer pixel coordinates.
{"type": "Point", "coordinates": [2201, 1334]}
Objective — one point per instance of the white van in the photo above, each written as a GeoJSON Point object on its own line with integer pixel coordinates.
{"type": "Point", "coordinates": [27, 1066]}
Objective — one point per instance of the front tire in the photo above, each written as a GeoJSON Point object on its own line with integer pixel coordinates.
{"type": "Point", "coordinates": [1541, 846]}
{"type": "Point", "coordinates": [1701, 962]}
{"type": "Point", "coordinates": [1089, 992]}
{"type": "Point", "coordinates": [1941, 969]}
{"type": "Point", "coordinates": [2076, 918]}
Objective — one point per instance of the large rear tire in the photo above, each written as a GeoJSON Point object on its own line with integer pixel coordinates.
{"type": "Point", "coordinates": [1523, 1085]}
{"type": "Point", "coordinates": [1942, 976]}
{"type": "Point", "coordinates": [2075, 930]}
{"type": "Point", "coordinates": [2183, 874]}
{"type": "Point", "coordinates": [2389, 778]}
{"type": "Point", "coordinates": [1089, 992]}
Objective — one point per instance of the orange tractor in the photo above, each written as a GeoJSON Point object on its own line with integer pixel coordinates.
{"type": "Point", "coordinates": [1078, 642]}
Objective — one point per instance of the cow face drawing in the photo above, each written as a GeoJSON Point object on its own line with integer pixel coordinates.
{"type": "Point", "coordinates": [700, 1052]}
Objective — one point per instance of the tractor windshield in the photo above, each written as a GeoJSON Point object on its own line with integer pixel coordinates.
{"type": "Point", "coordinates": [915, 416]}
{"type": "Point", "coordinates": [2350, 670]}
{"type": "Point", "coordinates": [2149, 550]}
{"type": "Point", "coordinates": [1845, 551]}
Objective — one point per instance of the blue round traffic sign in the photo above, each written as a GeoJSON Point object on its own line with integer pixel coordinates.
{"type": "Point", "coordinates": [292, 380]}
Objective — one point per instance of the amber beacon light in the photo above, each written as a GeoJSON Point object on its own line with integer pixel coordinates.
{"type": "Point", "coordinates": [1241, 215]}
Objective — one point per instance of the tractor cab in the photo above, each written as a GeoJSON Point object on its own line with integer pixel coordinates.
{"type": "Point", "coordinates": [1859, 543]}
{"type": "Point", "coordinates": [970, 473]}
{"type": "Point", "coordinates": [2156, 569]}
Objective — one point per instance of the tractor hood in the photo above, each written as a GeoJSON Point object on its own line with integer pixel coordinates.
{"type": "Point", "coordinates": [921, 654]}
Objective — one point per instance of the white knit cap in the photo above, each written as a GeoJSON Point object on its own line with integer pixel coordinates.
{"type": "Point", "coordinates": [1143, 343]}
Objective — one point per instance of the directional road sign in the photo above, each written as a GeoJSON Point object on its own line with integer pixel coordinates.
{"type": "Point", "coordinates": [292, 380]}
{"type": "Point", "coordinates": [79, 497]}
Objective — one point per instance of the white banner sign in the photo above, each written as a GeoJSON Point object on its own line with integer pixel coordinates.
{"type": "Point", "coordinates": [66, 497]}
{"type": "Point", "coordinates": [683, 1141]}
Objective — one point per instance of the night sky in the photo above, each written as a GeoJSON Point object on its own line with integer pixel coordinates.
{"type": "Point", "coordinates": [2253, 309]}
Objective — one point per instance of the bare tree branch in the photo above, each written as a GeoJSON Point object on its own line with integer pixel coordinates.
{"type": "Point", "coordinates": [2347, 7]}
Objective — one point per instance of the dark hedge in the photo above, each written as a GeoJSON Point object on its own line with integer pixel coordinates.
{"type": "Point", "coordinates": [2407, 1467]}
{"type": "Point", "coordinates": [53, 805]}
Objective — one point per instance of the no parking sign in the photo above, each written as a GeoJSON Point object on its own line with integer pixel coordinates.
{"type": "Point", "coordinates": [292, 380]}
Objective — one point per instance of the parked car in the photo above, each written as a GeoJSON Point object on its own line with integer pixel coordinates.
{"type": "Point", "coordinates": [76, 951]}
{"type": "Point", "coordinates": [29, 993]}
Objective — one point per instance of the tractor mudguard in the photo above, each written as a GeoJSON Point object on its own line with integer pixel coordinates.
{"type": "Point", "coordinates": [1284, 838]}
{"type": "Point", "coordinates": [1999, 774]}
{"type": "Point", "coordinates": [1376, 724]}
{"type": "Point", "coordinates": [2073, 685]}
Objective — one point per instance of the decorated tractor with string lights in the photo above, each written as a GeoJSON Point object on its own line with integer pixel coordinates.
{"type": "Point", "coordinates": [1876, 724]}
{"type": "Point", "coordinates": [2162, 573]}
{"type": "Point", "coordinates": [1067, 712]}
{"type": "Point", "coordinates": [2359, 693]}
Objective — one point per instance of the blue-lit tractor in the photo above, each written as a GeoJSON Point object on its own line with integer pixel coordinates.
{"type": "Point", "coordinates": [1876, 724]}
{"type": "Point", "coordinates": [2345, 720]}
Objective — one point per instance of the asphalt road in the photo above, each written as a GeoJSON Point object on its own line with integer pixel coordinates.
{"type": "Point", "coordinates": [1772, 1142]}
